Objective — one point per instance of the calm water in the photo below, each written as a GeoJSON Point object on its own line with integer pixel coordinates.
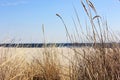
{"type": "Point", "coordinates": [39, 45]}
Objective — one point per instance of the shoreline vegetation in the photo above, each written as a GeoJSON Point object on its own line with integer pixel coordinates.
{"type": "Point", "coordinates": [54, 63]}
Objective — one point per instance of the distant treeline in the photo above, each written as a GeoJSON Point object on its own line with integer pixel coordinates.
{"type": "Point", "coordinates": [39, 45]}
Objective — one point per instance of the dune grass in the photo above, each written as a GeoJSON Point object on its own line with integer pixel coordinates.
{"type": "Point", "coordinates": [85, 63]}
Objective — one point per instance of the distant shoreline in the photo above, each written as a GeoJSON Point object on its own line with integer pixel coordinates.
{"type": "Point", "coordinates": [40, 45]}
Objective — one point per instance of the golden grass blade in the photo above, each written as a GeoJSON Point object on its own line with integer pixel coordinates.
{"type": "Point", "coordinates": [77, 32]}
{"type": "Point", "coordinates": [67, 32]}
{"type": "Point", "coordinates": [97, 16]}
{"type": "Point", "coordinates": [92, 6]}
{"type": "Point", "coordinates": [78, 19]}
{"type": "Point", "coordinates": [85, 8]}
{"type": "Point", "coordinates": [44, 36]}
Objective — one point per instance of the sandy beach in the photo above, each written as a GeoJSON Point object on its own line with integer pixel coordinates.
{"type": "Point", "coordinates": [64, 54]}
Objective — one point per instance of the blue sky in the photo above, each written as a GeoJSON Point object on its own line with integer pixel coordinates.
{"type": "Point", "coordinates": [22, 19]}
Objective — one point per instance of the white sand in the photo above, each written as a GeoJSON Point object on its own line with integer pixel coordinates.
{"type": "Point", "coordinates": [64, 55]}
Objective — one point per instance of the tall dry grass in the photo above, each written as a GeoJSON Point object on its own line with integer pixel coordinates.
{"type": "Point", "coordinates": [98, 62]}
{"type": "Point", "coordinates": [103, 62]}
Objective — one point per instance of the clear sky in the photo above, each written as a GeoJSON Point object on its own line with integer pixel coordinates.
{"type": "Point", "coordinates": [22, 19]}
